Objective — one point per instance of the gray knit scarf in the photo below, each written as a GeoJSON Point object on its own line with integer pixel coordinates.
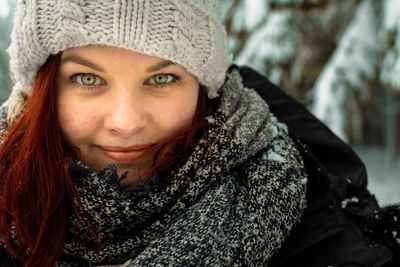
{"type": "Point", "coordinates": [230, 203]}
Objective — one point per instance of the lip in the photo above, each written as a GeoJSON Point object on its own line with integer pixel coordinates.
{"type": "Point", "coordinates": [125, 154]}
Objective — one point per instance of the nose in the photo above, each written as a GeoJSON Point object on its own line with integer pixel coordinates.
{"type": "Point", "coordinates": [125, 115]}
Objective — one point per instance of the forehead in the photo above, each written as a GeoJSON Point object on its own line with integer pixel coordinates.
{"type": "Point", "coordinates": [91, 55]}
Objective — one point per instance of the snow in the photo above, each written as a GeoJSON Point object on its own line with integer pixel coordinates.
{"type": "Point", "coordinates": [354, 60]}
{"type": "Point", "coordinates": [277, 39]}
{"type": "Point", "coordinates": [249, 14]}
{"type": "Point", "coordinates": [275, 156]}
{"type": "Point", "coordinates": [256, 11]}
{"type": "Point", "coordinates": [391, 68]}
{"type": "Point", "coordinates": [4, 8]}
{"type": "Point", "coordinates": [391, 26]}
{"type": "Point", "coordinates": [347, 201]}
{"type": "Point", "coordinates": [392, 13]}
{"type": "Point", "coordinates": [384, 178]}
{"type": "Point", "coordinates": [328, 102]}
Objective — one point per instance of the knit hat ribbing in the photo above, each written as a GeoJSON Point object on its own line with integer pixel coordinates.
{"type": "Point", "coordinates": [187, 32]}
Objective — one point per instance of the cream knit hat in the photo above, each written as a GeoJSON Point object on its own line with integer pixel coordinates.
{"type": "Point", "coordinates": [187, 32]}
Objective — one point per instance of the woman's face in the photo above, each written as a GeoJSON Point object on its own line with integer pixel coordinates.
{"type": "Point", "coordinates": [114, 105]}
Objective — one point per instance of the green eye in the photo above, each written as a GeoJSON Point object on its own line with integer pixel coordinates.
{"type": "Point", "coordinates": [87, 79]}
{"type": "Point", "coordinates": [161, 79]}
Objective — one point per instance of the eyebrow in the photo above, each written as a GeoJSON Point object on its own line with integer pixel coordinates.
{"type": "Point", "coordinates": [81, 61]}
{"type": "Point", "coordinates": [160, 65]}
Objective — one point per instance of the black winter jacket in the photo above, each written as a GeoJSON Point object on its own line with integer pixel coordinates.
{"type": "Point", "coordinates": [327, 234]}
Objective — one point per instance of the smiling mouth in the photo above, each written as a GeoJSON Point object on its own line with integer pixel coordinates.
{"type": "Point", "coordinates": [125, 155]}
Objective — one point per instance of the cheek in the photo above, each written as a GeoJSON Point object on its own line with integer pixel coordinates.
{"type": "Point", "coordinates": [178, 115]}
{"type": "Point", "coordinates": [76, 121]}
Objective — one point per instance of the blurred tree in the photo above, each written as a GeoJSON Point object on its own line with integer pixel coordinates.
{"type": "Point", "coordinates": [390, 73]}
{"type": "Point", "coordinates": [340, 58]}
{"type": "Point", "coordinates": [288, 40]}
{"type": "Point", "coordinates": [344, 82]}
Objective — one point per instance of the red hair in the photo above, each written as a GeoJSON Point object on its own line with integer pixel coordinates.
{"type": "Point", "coordinates": [36, 190]}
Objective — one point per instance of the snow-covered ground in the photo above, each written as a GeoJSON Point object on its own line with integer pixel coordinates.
{"type": "Point", "coordinates": [384, 178]}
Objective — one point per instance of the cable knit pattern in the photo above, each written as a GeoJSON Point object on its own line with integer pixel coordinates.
{"type": "Point", "coordinates": [232, 201]}
{"type": "Point", "coordinates": [187, 32]}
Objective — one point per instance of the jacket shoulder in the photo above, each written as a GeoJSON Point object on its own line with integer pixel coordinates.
{"type": "Point", "coordinates": [347, 170]}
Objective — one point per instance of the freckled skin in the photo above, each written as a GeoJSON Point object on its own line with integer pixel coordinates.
{"type": "Point", "coordinates": [124, 109]}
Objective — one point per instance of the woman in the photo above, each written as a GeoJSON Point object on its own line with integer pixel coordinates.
{"type": "Point", "coordinates": [127, 141]}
